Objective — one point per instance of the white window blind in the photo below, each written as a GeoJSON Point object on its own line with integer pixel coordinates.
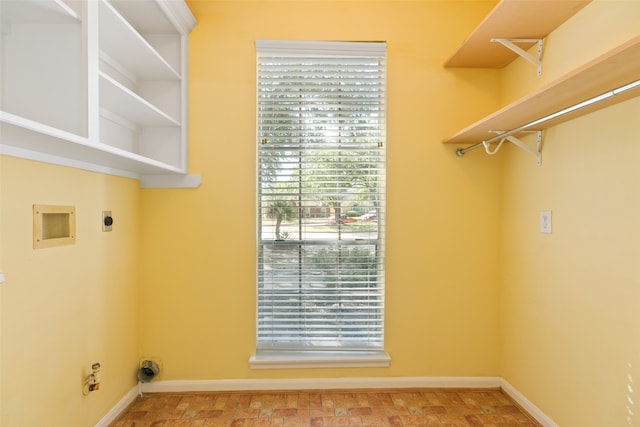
{"type": "Point", "coordinates": [321, 195]}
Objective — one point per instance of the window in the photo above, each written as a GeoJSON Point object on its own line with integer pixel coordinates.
{"type": "Point", "coordinates": [321, 197]}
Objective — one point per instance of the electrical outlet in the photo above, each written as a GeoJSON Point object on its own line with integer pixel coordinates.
{"type": "Point", "coordinates": [107, 221]}
{"type": "Point", "coordinates": [545, 222]}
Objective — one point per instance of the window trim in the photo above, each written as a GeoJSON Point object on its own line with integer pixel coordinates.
{"type": "Point", "coordinates": [319, 359]}
{"type": "Point", "coordinates": [322, 47]}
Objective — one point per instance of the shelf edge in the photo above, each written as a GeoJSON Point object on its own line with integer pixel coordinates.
{"type": "Point", "coordinates": [179, 14]}
{"type": "Point", "coordinates": [170, 181]}
{"type": "Point", "coordinates": [38, 156]}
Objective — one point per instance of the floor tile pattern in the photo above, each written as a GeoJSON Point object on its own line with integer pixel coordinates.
{"type": "Point", "coordinates": [372, 408]}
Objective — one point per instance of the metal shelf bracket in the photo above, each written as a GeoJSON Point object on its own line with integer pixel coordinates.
{"type": "Point", "coordinates": [537, 152]}
{"type": "Point", "coordinates": [511, 44]}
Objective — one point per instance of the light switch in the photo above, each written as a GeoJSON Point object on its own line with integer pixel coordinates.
{"type": "Point", "coordinates": [545, 222]}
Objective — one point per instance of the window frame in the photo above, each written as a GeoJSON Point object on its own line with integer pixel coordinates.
{"type": "Point", "coordinates": [317, 357]}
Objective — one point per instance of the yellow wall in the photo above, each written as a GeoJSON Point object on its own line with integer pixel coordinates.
{"type": "Point", "coordinates": [198, 250]}
{"type": "Point", "coordinates": [473, 289]}
{"type": "Point", "coordinates": [569, 301]}
{"type": "Point", "coordinates": [66, 307]}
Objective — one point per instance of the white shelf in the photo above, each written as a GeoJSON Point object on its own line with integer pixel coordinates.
{"type": "Point", "coordinates": [102, 91]}
{"type": "Point", "coordinates": [121, 101]}
{"type": "Point", "coordinates": [121, 42]}
{"type": "Point", "coordinates": [37, 12]}
{"type": "Point", "coordinates": [161, 19]}
{"type": "Point", "coordinates": [9, 121]}
{"type": "Point", "coordinates": [28, 139]}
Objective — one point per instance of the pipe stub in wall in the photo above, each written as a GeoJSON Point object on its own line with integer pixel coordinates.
{"type": "Point", "coordinates": [148, 371]}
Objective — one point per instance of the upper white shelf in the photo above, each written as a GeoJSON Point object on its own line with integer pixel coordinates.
{"type": "Point", "coordinates": [122, 43]}
{"type": "Point", "coordinates": [530, 19]}
{"type": "Point", "coordinates": [612, 70]}
{"type": "Point", "coordinates": [37, 12]}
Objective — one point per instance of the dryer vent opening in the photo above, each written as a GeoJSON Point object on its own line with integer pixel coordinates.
{"type": "Point", "coordinates": [148, 371]}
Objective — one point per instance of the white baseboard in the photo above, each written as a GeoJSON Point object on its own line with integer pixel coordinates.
{"type": "Point", "coordinates": [118, 408]}
{"type": "Point", "coordinates": [177, 386]}
{"type": "Point", "coordinates": [321, 384]}
{"type": "Point", "coordinates": [527, 405]}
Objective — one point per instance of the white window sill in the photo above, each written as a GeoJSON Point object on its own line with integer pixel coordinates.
{"type": "Point", "coordinates": [318, 359]}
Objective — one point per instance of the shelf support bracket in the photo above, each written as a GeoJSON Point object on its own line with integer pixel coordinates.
{"type": "Point", "coordinates": [537, 152]}
{"type": "Point", "coordinates": [511, 44]}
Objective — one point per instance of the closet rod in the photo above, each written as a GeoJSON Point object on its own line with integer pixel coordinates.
{"type": "Point", "coordinates": [461, 152]}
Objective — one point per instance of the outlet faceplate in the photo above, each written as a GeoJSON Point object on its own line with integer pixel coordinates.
{"type": "Point", "coordinates": [107, 221]}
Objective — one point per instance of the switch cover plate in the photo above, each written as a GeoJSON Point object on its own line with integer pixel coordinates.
{"type": "Point", "coordinates": [545, 222]}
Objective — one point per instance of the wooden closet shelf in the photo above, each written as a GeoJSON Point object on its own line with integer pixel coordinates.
{"type": "Point", "coordinates": [612, 70]}
{"type": "Point", "coordinates": [528, 19]}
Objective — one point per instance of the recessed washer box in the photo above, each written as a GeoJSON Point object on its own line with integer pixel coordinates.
{"type": "Point", "coordinates": [53, 225]}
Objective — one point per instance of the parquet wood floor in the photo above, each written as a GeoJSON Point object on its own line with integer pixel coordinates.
{"type": "Point", "coordinates": [319, 408]}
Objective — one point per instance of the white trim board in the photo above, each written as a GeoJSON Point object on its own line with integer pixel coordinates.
{"type": "Point", "coordinates": [526, 404]}
{"type": "Point", "coordinates": [320, 384]}
{"type": "Point", "coordinates": [122, 404]}
{"type": "Point", "coordinates": [294, 359]}
{"type": "Point", "coordinates": [178, 386]}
